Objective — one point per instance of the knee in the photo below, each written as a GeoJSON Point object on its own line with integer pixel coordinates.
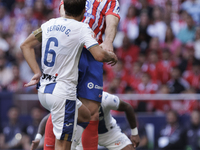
{"type": "Point", "coordinates": [95, 116]}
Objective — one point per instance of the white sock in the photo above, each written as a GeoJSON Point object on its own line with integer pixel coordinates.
{"type": "Point", "coordinates": [76, 141]}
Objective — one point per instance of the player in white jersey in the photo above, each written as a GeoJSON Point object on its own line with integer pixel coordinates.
{"type": "Point", "coordinates": [62, 43]}
{"type": "Point", "coordinates": [110, 135]}
{"type": "Point", "coordinates": [109, 132]}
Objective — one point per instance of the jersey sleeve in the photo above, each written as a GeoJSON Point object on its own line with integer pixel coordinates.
{"type": "Point", "coordinates": [38, 34]}
{"type": "Point", "coordinates": [113, 8]}
{"type": "Point", "coordinates": [87, 37]}
{"type": "Point", "coordinates": [110, 102]}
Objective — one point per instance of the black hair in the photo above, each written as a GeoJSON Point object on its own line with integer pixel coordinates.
{"type": "Point", "coordinates": [74, 7]}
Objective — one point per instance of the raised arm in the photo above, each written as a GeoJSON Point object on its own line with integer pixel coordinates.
{"type": "Point", "coordinates": [27, 48]}
{"type": "Point", "coordinates": [130, 115]}
{"type": "Point", "coordinates": [110, 32]}
{"type": "Point", "coordinates": [40, 133]}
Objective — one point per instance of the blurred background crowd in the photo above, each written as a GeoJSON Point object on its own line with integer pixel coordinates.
{"type": "Point", "coordinates": [157, 44]}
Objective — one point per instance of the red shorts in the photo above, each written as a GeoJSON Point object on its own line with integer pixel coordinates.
{"type": "Point", "coordinates": [49, 139]}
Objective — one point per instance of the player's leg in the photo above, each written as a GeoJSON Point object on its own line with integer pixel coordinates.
{"type": "Point", "coordinates": [49, 138]}
{"type": "Point", "coordinates": [129, 147]}
{"type": "Point", "coordinates": [89, 89]}
{"type": "Point", "coordinates": [64, 118]}
{"type": "Point", "coordinates": [83, 121]}
{"type": "Point", "coordinates": [114, 139]}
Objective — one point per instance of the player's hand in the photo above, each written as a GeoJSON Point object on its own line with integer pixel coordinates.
{"type": "Point", "coordinates": [135, 139]}
{"type": "Point", "coordinates": [35, 144]}
{"type": "Point", "coordinates": [35, 79]}
{"type": "Point", "coordinates": [113, 60]}
{"type": "Point", "coordinates": [108, 46]}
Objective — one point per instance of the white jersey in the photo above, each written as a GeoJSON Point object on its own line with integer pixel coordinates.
{"type": "Point", "coordinates": [62, 43]}
{"type": "Point", "coordinates": [106, 121]}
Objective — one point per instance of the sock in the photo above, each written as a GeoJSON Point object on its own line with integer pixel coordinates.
{"type": "Point", "coordinates": [90, 136]}
{"type": "Point", "coordinates": [80, 128]}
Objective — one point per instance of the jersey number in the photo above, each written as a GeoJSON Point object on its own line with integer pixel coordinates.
{"type": "Point", "coordinates": [50, 51]}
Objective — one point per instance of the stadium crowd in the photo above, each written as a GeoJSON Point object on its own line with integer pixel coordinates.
{"type": "Point", "coordinates": [157, 44]}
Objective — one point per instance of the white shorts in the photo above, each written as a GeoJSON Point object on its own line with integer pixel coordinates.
{"type": "Point", "coordinates": [114, 139]}
{"type": "Point", "coordinates": [64, 115]}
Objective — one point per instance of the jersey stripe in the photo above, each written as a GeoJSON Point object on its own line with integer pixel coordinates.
{"type": "Point", "coordinates": [96, 13]}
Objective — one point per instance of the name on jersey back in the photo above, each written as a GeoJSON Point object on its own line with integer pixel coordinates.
{"type": "Point", "coordinates": [59, 28]}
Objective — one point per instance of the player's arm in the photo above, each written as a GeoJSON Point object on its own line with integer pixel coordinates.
{"type": "Point", "coordinates": [110, 32]}
{"type": "Point", "coordinates": [112, 20]}
{"type": "Point", "coordinates": [27, 48]}
{"type": "Point", "coordinates": [130, 115]}
{"type": "Point", "coordinates": [102, 55]}
{"type": "Point", "coordinates": [40, 133]}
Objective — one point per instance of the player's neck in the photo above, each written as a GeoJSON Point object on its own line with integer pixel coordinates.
{"type": "Point", "coordinates": [78, 18]}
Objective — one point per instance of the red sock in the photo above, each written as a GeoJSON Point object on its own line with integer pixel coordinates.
{"type": "Point", "coordinates": [90, 136]}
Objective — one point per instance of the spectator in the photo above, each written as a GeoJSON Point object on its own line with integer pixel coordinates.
{"type": "Point", "coordinates": [187, 58]}
{"type": "Point", "coordinates": [146, 7]}
{"type": "Point", "coordinates": [151, 66]}
{"type": "Point", "coordinates": [158, 27]}
{"type": "Point", "coordinates": [193, 76]}
{"type": "Point", "coordinates": [12, 130]}
{"type": "Point", "coordinates": [172, 135]}
{"type": "Point", "coordinates": [129, 24]}
{"type": "Point", "coordinates": [197, 44]}
{"type": "Point", "coordinates": [177, 84]}
{"type": "Point", "coordinates": [154, 46]}
{"type": "Point", "coordinates": [192, 7]}
{"type": "Point", "coordinates": [171, 43]}
{"type": "Point", "coordinates": [32, 128]}
{"type": "Point", "coordinates": [6, 75]}
{"type": "Point", "coordinates": [179, 23]}
{"type": "Point", "coordinates": [18, 10]}
{"type": "Point", "coordinates": [163, 106]}
{"type": "Point", "coordinates": [135, 75]}
{"type": "Point", "coordinates": [128, 53]}
{"type": "Point", "coordinates": [164, 66]}
{"type": "Point", "coordinates": [24, 70]}
{"type": "Point", "coordinates": [193, 130]}
{"type": "Point", "coordinates": [143, 38]}
{"type": "Point", "coordinates": [4, 17]}
{"type": "Point", "coordinates": [187, 34]}
{"type": "Point", "coordinates": [147, 86]}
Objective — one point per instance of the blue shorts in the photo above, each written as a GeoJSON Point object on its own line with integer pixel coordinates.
{"type": "Point", "coordinates": [90, 82]}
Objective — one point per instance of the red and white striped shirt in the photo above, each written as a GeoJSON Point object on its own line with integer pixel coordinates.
{"type": "Point", "coordinates": [96, 11]}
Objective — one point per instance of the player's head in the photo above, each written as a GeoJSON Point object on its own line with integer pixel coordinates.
{"type": "Point", "coordinates": [74, 8]}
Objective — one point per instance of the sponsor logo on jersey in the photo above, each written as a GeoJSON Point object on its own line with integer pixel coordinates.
{"type": "Point", "coordinates": [98, 87]}
{"type": "Point", "coordinates": [49, 77]}
{"type": "Point", "coordinates": [90, 85]}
